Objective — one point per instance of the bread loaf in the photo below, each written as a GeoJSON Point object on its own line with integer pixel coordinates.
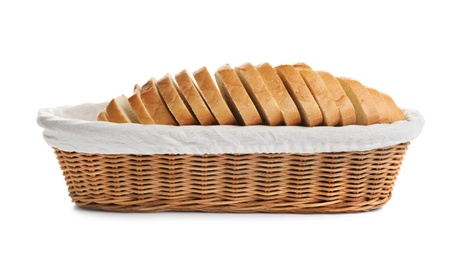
{"type": "Point", "coordinates": [253, 95]}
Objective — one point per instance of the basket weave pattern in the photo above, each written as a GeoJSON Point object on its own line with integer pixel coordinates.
{"type": "Point", "coordinates": [296, 183]}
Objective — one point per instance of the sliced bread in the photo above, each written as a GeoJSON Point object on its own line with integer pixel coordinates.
{"type": "Point", "coordinates": [137, 89]}
{"type": "Point", "coordinates": [149, 84]}
{"type": "Point", "coordinates": [139, 108]}
{"type": "Point", "coordinates": [211, 94]}
{"type": "Point", "coordinates": [396, 113]}
{"type": "Point", "coordinates": [330, 111]}
{"type": "Point", "coordinates": [155, 105]}
{"type": "Point", "coordinates": [236, 96]}
{"type": "Point", "coordinates": [289, 111]}
{"type": "Point", "coordinates": [120, 111]}
{"type": "Point", "coordinates": [174, 101]}
{"type": "Point", "coordinates": [347, 111]}
{"type": "Point", "coordinates": [296, 86]}
{"type": "Point", "coordinates": [365, 107]}
{"type": "Point", "coordinates": [382, 106]}
{"type": "Point", "coordinates": [194, 99]}
{"type": "Point", "coordinates": [259, 93]}
{"type": "Point", "coordinates": [102, 116]}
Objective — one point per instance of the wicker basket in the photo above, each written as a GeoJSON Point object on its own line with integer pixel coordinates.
{"type": "Point", "coordinates": [319, 182]}
{"type": "Point", "coordinates": [300, 183]}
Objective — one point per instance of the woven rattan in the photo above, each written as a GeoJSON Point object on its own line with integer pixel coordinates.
{"type": "Point", "coordinates": [296, 183]}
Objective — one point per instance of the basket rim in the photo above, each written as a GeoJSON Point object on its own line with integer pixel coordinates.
{"type": "Point", "coordinates": [74, 128]}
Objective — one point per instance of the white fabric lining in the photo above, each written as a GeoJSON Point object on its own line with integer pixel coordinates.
{"type": "Point", "coordinates": [74, 128]}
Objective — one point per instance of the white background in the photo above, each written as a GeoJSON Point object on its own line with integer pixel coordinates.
{"type": "Point", "coordinates": [60, 52]}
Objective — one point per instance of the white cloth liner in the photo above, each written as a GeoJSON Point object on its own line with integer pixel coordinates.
{"type": "Point", "coordinates": [74, 128]}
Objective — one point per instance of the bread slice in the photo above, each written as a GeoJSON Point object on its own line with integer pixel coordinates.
{"type": "Point", "coordinates": [236, 96]}
{"type": "Point", "coordinates": [211, 94]}
{"type": "Point", "coordinates": [149, 84]}
{"type": "Point", "coordinates": [259, 93]}
{"type": "Point", "coordinates": [139, 108]}
{"type": "Point", "coordinates": [102, 116]}
{"type": "Point", "coordinates": [330, 111]}
{"type": "Point", "coordinates": [155, 105]}
{"type": "Point", "coordinates": [194, 99]}
{"type": "Point", "coordinates": [174, 101]}
{"type": "Point", "coordinates": [382, 106]}
{"type": "Point", "coordinates": [296, 86]}
{"type": "Point", "coordinates": [395, 113]}
{"type": "Point", "coordinates": [120, 111]}
{"type": "Point", "coordinates": [365, 107]}
{"type": "Point", "coordinates": [346, 108]}
{"type": "Point", "coordinates": [289, 111]}
{"type": "Point", "coordinates": [137, 89]}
